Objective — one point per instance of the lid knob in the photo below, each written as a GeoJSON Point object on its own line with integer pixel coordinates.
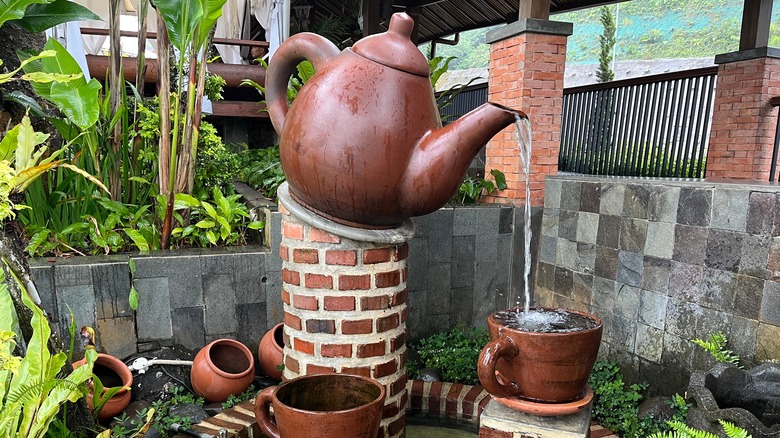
{"type": "Point", "coordinates": [401, 24]}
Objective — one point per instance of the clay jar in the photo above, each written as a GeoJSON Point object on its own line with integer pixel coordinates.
{"type": "Point", "coordinates": [270, 352]}
{"type": "Point", "coordinates": [539, 366]}
{"type": "Point", "coordinates": [322, 406]}
{"type": "Point", "coordinates": [222, 368]}
{"type": "Point", "coordinates": [112, 372]}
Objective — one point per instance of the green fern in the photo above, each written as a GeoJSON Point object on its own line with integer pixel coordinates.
{"type": "Point", "coordinates": [717, 346]}
{"type": "Point", "coordinates": [681, 430]}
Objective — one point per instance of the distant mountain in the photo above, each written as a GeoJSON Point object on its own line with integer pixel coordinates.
{"type": "Point", "coordinates": [646, 29]}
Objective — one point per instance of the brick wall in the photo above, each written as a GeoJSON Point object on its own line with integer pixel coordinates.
{"type": "Point", "coordinates": [662, 262]}
{"type": "Point", "coordinates": [526, 73]}
{"type": "Point", "coordinates": [743, 122]}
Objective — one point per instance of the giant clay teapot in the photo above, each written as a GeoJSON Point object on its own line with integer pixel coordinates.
{"type": "Point", "coordinates": [362, 143]}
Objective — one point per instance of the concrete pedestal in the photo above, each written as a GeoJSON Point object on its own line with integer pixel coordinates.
{"type": "Point", "coordinates": [498, 421]}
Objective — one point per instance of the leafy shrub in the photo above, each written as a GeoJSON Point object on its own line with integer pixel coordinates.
{"type": "Point", "coordinates": [616, 405]}
{"type": "Point", "coordinates": [226, 223]}
{"type": "Point", "coordinates": [216, 165]}
{"type": "Point", "coordinates": [454, 353]}
{"type": "Point", "coordinates": [471, 188]}
{"type": "Point", "coordinates": [681, 430]}
{"type": "Point", "coordinates": [262, 170]}
{"type": "Point", "coordinates": [161, 420]}
{"type": "Point", "coordinates": [717, 346]}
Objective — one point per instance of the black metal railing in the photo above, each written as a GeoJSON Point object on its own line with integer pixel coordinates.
{"type": "Point", "coordinates": [650, 126]}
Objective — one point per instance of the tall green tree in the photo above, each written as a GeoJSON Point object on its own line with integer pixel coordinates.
{"type": "Point", "coordinates": [607, 42]}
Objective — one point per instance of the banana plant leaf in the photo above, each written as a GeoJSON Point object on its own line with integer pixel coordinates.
{"type": "Point", "coordinates": [39, 17]}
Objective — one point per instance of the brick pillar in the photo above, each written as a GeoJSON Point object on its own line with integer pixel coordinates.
{"type": "Point", "coordinates": [743, 121]}
{"type": "Point", "coordinates": [527, 60]}
{"type": "Point", "coordinates": [345, 308]}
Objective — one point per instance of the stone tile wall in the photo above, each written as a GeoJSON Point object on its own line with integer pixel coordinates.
{"type": "Point", "coordinates": [459, 264]}
{"type": "Point", "coordinates": [663, 262]}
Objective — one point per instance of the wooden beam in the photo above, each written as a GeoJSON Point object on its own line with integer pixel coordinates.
{"type": "Point", "coordinates": [535, 9]}
{"type": "Point", "coordinates": [371, 17]}
{"type": "Point", "coordinates": [232, 108]}
{"type": "Point", "coordinates": [756, 18]}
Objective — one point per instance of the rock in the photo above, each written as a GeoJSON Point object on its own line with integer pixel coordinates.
{"type": "Point", "coordinates": [195, 413]}
{"type": "Point", "coordinates": [429, 375]}
{"type": "Point", "coordinates": [658, 407]}
{"type": "Point", "coordinates": [758, 392]}
{"type": "Point", "coordinates": [213, 408]}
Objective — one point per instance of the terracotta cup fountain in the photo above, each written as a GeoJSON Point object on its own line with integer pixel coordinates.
{"type": "Point", "coordinates": [543, 371]}
{"type": "Point", "coordinates": [322, 406]}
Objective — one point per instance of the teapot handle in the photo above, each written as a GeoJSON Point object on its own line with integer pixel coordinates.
{"type": "Point", "coordinates": [300, 47]}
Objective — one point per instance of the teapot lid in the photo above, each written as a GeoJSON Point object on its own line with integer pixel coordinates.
{"type": "Point", "coordinates": [395, 48]}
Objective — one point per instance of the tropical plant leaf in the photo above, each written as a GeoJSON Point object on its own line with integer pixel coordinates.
{"type": "Point", "coordinates": [181, 18]}
{"type": "Point", "coordinates": [183, 200]}
{"type": "Point", "coordinates": [39, 17]}
{"type": "Point", "coordinates": [27, 176]}
{"type": "Point", "coordinates": [500, 179]}
{"type": "Point", "coordinates": [61, 63]}
{"type": "Point", "coordinates": [26, 101]}
{"type": "Point", "coordinates": [204, 224]}
{"type": "Point", "coordinates": [14, 9]}
{"type": "Point", "coordinates": [212, 10]}
{"type": "Point", "coordinates": [138, 239]}
{"type": "Point", "coordinates": [77, 102]}
{"type": "Point", "coordinates": [86, 175]}
{"type": "Point", "coordinates": [45, 78]}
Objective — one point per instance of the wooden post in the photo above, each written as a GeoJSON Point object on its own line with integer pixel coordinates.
{"type": "Point", "coordinates": [538, 9]}
{"type": "Point", "coordinates": [756, 18]}
{"type": "Point", "coordinates": [371, 17]}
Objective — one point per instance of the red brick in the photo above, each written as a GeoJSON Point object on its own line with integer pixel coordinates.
{"type": "Point", "coordinates": [319, 369]}
{"type": "Point", "coordinates": [321, 326]}
{"type": "Point", "coordinates": [336, 350]}
{"type": "Point", "coordinates": [305, 255]}
{"type": "Point", "coordinates": [377, 255]}
{"type": "Point", "coordinates": [398, 386]}
{"type": "Point", "coordinates": [285, 297]}
{"type": "Point", "coordinates": [291, 320]}
{"type": "Point", "coordinates": [303, 346]}
{"type": "Point", "coordinates": [401, 297]}
{"type": "Point", "coordinates": [404, 312]}
{"type": "Point", "coordinates": [391, 410]}
{"type": "Point", "coordinates": [291, 277]}
{"type": "Point", "coordinates": [388, 279]}
{"type": "Point", "coordinates": [339, 303]}
{"type": "Point", "coordinates": [486, 432]}
{"type": "Point", "coordinates": [398, 342]}
{"type": "Point", "coordinates": [387, 323]}
{"type": "Point", "coordinates": [319, 281]}
{"type": "Point", "coordinates": [359, 327]}
{"type": "Point", "coordinates": [292, 231]}
{"type": "Point", "coordinates": [291, 364]}
{"type": "Point", "coordinates": [317, 235]}
{"type": "Point", "coordinates": [358, 371]}
{"type": "Point", "coordinates": [341, 257]}
{"type": "Point", "coordinates": [284, 253]}
{"type": "Point", "coordinates": [385, 369]}
{"type": "Point", "coordinates": [375, 302]}
{"type": "Point", "coordinates": [401, 252]}
{"type": "Point", "coordinates": [355, 282]}
{"type": "Point", "coordinates": [395, 428]}
{"type": "Point", "coordinates": [451, 405]}
{"type": "Point", "coordinates": [371, 350]}
{"type": "Point", "coordinates": [305, 302]}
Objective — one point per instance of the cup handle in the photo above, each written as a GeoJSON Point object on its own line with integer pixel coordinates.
{"type": "Point", "coordinates": [486, 366]}
{"type": "Point", "coordinates": [263, 412]}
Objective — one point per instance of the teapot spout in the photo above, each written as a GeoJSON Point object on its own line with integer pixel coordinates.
{"type": "Point", "coordinates": [442, 157]}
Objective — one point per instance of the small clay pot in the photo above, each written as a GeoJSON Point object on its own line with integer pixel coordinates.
{"type": "Point", "coordinates": [322, 406]}
{"type": "Point", "coordinates": [270, 352]}
{"type": "Point", "coordinates": [112, 372]}
{"type": "Point", "coordinates": [222, 368]}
